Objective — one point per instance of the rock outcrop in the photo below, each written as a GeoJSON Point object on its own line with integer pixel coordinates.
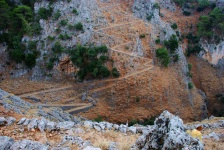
{"type": "Point", "coordinates": [168, 133]}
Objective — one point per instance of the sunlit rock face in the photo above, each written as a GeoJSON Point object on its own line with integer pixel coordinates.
{"type": "Point", "coordinates": [213, 53]}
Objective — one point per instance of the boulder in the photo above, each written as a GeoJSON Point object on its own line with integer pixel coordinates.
{"type": "Point", "coordinates": [5, 142]}
{"type": "Point", "coordinates": [61, 148]}
{"type": "Point", "coordinates": [123, 128]}
{"type": "Point", "coordinates": [97, 127]}
{"type": "Point", "coordinates": [21, 121]}
{"type": "Point", "coordinates": [2, 121]}
{"type": "Point", "coordinates": [168, 133]}
{"type": "Point", "coordinates": [32, 124]}
{"type": "Point", "coordinates": [27, 121]}
{"type": "Point", "coordinates": [50, 126]}
{"type": "Point", "coordinates": [113, 146]}
{"type": "Point", "coordinates": [28, 145]}
{"type": "Point", "coordinates": [88, 124]}
{"type": "Point", "coordinates": [132, 129]}
{"type": "Point", "coordinates": [66, 125]}
{"type": "Point", "coordinates": [116, 127]}
{"type": "Point", "coordinates": [91, 148]}
{"type": "Point", "coordinates": [10, 121]}
{"type": "Point", "coordinates": [42, 124]}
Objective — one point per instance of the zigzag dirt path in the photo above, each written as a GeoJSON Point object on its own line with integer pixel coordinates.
{"type": "Point", "coordinates": [74, 105]}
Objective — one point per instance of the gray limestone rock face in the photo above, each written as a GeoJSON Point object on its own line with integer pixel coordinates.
{"type": "Point", "coordinates": [168, 133]}
{"type": "Point", "coordinates": [28, 145]}
{"type": "Point", "coordinates": [5, 142]}
{"type": "Point", "coordinates": [66, 125]}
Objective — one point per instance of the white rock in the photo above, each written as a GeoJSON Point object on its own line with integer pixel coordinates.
{"type": "Point", "coordinates": [21, 121]}
{"type": "Point", "coordinates": [132, 129]}
{"type": "Point", "coordinates": [32, 124]}
{"type": "Point", "coordinates": [66, 125]}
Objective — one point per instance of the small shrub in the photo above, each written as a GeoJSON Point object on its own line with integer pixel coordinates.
{"type": "Point", "coordinates": [186, 13]}
{"type": "Point", "coordinates": [172, 44]}
{"type": "Point", "coordinates": [176, 58]}
{"type": "Point", "coordinates": [98, 119]}
{"type": "Point", "coordinates": [57, 15]}
{"type": "Point", "coordinates": [174, 26]}
{"type": "Point", "coordinates": [189, 74]}
{"type": "Point", "coordinates": [190, 85]}
{"type": "Point", "coordinates": [57, 48]}
{"type": "Point", "coordinates": [157, 41]}
{"type": "Point", "coordinates": [115, 73]}
{"type": "Point", "coordinates": [32, 45]}
{"type": "Point", "coordinates": [163, 56]}
{"type": "Point", "coordinates": [63, 22]}
{"type": "Point", "coordinates": [142, 36]}
{"type": "Point", "coordinates": [79, 26]}
{"type": "Point", "coordinates": [45, 13]}
{"type": "Point", "coordinates": [51, 38]}
{"type": "Point", "coordinates": [190, 66]}
{"type": "Point", "coordinates": [30, 60]}
{"type": "Point", "coordinates": [149, 17]}
{"type": "Point", "coordinates": [137, 99]}
{"type": "Point", "coordinates": [156, 6]}
{"type": "Point", "coordinates": [74, 11]}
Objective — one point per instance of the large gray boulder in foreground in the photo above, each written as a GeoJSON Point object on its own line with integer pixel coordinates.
{"type": "Point", "coordinates": [168, 133]}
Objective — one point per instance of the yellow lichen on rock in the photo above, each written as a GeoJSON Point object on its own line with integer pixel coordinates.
{"type": "Point", "coordinates": [195, 134]}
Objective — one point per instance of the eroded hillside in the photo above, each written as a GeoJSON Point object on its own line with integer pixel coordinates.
{"type": "Point", "coordinates": [144, 88]}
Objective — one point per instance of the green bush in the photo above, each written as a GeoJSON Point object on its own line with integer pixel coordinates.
{"type": "Point", "coordinates": [172, 44]}
{"type": "Point", "coordinates": [75, 11]}
{"type": "Point", "coordinates": [51, 38]}
{"type": "Point", "coordinates": [35, 28]}
{"type": "Point", "coordinates": [30, 60]}
{"type": "Point", "coordinates": [157, 41]}
{"type": "Point", "coordinates": [190, 85]}
{"type": "Point", "coordinates": [174, 26]}
{"type": "Point", "coordinates": [176, 58]}
{"type": "Point", "coordinates": [142, 36]}
{"type": "Point", "coordinates": [79, 26]}
{"type": "Point", "coordinates": [163, 56]}
{"type": "Point", "coordinates": [57, 48]}
{"type": "Point", "coordinates": [212, 24]}
{"type": "Point", "coordinates": [45, 13]}
{"type": "Point", "coordinates": [189, 67]}
{"type": "Point", "coordinates": [64, 37]}
{"type": "Point", "coordinates": [17, 55]}
{"type": "Point", "coordinates": [63, 22]}
{"type": "Point", "coordinates": [57, 15]}
{"type": "Point", "coordinates": [137, 99]}
{"type": "Point", "coordinates": [115, 73]}
{"type": "Point", "coordinates": [186, 13]}
{"type": "Point", "coordinates": [98, 119]}
{"type": "Point", "coordinates": [149, 17]}
{"type": "Point", "coordinates": [88, 61]}
{"type": "Point", "coordinates": [32, 45]}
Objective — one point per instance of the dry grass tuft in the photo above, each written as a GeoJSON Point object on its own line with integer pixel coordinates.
{"type": "Point", "coordinates": [102, 143]}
